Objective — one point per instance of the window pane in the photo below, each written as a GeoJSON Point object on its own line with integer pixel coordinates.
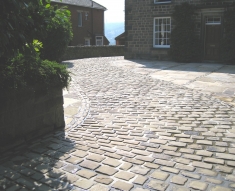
{"type": "Point", "coordinates": [156, 28]}
{"type": "Point", "coordinates": [168, 28]}
{"type": "Point", "coordinates": [157, 41]}
{"type": "Point", "coordinates": [156, 22]}
{"type": "Point", "coordinates": [156, 35]}
{"type": "Point", "coordinates": [79, 19]}
{"type": "Point", "coordinates": [162, 31]}
{"type": "Point", "coordinates": [168, 21]}
{"type": "Point", "coordinates": [99, 40]}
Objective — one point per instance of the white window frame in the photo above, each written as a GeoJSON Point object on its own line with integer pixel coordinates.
{"type": "Point", "coordinates": [87, 41]}
{"type": "Point", "coordinates": [154, 33]}
{"type": "Point", "coordinates": [161, 1]}
{"type": "Point", "coordinates": [212, 20]}
{"type": "Point", "coordinates": [97, 40]}
{"type": "Point", "coordinates": [79, 19]}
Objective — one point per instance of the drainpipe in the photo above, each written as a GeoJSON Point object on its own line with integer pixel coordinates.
{"type": "Point", "coordinates": [92, 23]}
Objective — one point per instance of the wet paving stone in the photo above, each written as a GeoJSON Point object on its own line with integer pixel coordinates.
{"type": "Point", "coordinates": [160, 175]}
{"type": "Point", "coordinates": [103, 179]}
{"type": "Point", "coordinates": [43, 168]}
{"type": "Point", "coordinates": [71, 168]}
{"type": "Point", "coordinates": [157, 185]}
{"type": "Point", "coordinates": [84, 184]}
{"type": "Point", "coordinates": [124, 175]}
{"type": "Point", "coordinates": [90, 164]}
{"type": "Point", "coordinates": [86, 173]}
{"type": "Point", "coordinates": [140, 180]}
{"type": "Point", "coordinates": [106, 170]}
{"type": "Point", "coordinates": [140, 170]}
{"type": "Point", "coordinates": [120, 185]}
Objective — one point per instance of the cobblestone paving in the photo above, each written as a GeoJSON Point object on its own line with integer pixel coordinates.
{"type": "Point", "coordinates": [132, 132]}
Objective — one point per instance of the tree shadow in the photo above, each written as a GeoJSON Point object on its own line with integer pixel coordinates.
{"type": "Point", "coordinates": [68, 64]}
{"type": "Point", "coordinates": [45, 164]}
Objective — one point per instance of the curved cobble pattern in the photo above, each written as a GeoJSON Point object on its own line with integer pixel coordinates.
{"type": "Point", "coordinates": [184, 134]}
{"type": "Point", "coordinates": [139, 134]}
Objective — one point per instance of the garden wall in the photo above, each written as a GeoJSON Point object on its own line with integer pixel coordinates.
{"type": "Point", "coordinates": [78, 52]}
{"type": "Point", "coordinates": [26, 115]}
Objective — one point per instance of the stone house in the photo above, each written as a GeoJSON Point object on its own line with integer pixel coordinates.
{"type": "Point", "coordinates": [87, 19]}
{"type": "Point", "coordinates": [120, 39]}
{"type": "Point", "coordinates": [148, 25]}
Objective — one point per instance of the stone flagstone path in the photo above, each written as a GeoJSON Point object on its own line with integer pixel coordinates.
{"type": "Point", "coordinates": [129, 132]}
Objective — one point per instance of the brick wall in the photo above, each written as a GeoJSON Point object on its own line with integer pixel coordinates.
{"type": "Point", "coordinates": [139, 17]}
{"type": "Point", "coordinates": [78, 52]}
{"type": "Point", "coordinates": [92, 25]}
{"type": "Point", "coordinates": [26, 115]}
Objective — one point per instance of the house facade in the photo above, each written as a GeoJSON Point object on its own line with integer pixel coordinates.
{"type": "Point", "coordinates": [120, 39]}
{"type": "Point", "coordinates": [87, 19]}
{"type": "Point", "coordinates": [148, 25]}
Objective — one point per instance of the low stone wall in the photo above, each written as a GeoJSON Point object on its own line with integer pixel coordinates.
{"type": "Point", "coordinates": [79, 52]}
{"type": "Point", "coordinates": [154, 54]}
{"type": "Point", "coordinates": [26, 115]}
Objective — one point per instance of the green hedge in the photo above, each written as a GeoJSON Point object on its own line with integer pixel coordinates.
{"type": "Point", "coordinates": [30, 72]}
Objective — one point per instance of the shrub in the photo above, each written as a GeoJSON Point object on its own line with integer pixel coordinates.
{"type": "Point", "coordinates": [30, 72]}
{"type": "Point", "coordinates": [185, 46]}
{"type": "Point", "coordinates": [21, 21]}
{"type": "Point", "coordinates": [59, 34]}
{"type": "Point", "coordinates": [228, 42]}
{"type": "Point", "coordinates": [21, 68]}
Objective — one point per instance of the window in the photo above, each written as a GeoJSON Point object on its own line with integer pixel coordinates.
{"type": "Point", "coordinates": [86, 16]}
{"type": "Point", "coordinates": [162, 31]}
{"type": "Point", "coordinates": [162, 1]}
{"type": "Point", "coordinates": [213, 20]}
{"type": "Point", "coordinates": [87, 42]}
{"type": "Point", "coordinates": [99, 40]}
{"type": "Point", "coordinates": [79, 19]}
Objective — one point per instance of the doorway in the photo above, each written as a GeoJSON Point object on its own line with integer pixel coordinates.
{"type": "Point", "coordinates": [212, 38]}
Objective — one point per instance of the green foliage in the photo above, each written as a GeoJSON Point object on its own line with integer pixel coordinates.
{"type": "Point", "coordinates": [23, 24]}
{"type": "Point", "coordinates": [21, 21]}
{"type": "Point", "coordinates": [228, 42]}
{"type": "Point", "coordinates": [30, 72]}
{"type": "Point", "coordinates": [37, 45]}
{"type": "Point", "coordinates": [185, 46]}
{"type": "Point", "coordinates": [59, 34]}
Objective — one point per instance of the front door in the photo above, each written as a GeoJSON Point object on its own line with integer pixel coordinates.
{"type": "Point", "coordinates": [212, 41]}
{"type": "Point", "coordinates": [212, 44]}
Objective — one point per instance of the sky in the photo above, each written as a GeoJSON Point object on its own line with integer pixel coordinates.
{"type": "Point", "coordinates": [115, 12]}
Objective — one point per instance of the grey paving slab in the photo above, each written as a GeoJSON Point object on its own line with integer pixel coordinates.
{"type": "Point", "coordinates": [135, 125]}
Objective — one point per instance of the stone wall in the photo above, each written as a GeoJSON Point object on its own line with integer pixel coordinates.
{"type": "Point", "coordinates": [26, 115]}
{"type": "Point", "coordinates": [139, 18]}
{"type": "Point", "coordinates": [78, 52]}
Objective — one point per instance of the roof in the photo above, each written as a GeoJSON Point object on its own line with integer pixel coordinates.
{"type": "Point", "coordinates": [81, 3]}
{"type": "Point", "coordinates": [123, 35]}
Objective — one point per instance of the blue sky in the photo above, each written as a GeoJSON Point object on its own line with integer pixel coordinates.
{"type": "Point", "coordinates": [115, 12]}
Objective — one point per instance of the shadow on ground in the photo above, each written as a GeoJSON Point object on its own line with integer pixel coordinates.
{"type": "Point", "coordinates": [68, 64]}
{"type": "Point", "coordinates": [43, 165]}
{"type": "Point", "coordinates": [187, 67]}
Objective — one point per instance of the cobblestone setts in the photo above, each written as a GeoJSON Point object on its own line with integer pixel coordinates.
{"type": "Point", "coordinates": [132, 133]}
